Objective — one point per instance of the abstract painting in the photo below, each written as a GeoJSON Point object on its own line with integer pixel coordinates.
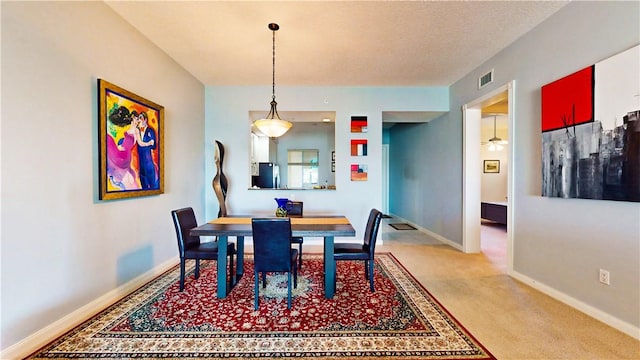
{"type": "Point", "coordinates": [591, 131]}
{"type": "Point", "coordinates": [358, 147]}
{"type": "Point", "coordinates": [130, 130]}
{"type": "Point", "coordinates": [359, 124]}
{"type": "Point", "coordinates": [358, 172]}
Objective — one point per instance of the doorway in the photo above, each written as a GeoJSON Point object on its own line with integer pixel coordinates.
{"type": "Point", "coordinates": [493, 181]}
{"type": "Point", "coordinates": [473, 168]}
{"type": "Point", "coordinates": [385, 179]}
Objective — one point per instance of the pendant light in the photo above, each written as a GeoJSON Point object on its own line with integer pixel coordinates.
{"type": "Point", "coordinates": [495, 143]}
{"type": "Point", "coordinates": [272, 125]}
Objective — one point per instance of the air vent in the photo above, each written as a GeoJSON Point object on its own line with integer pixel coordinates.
{"type": "Point", "coordinates": [485, 79]}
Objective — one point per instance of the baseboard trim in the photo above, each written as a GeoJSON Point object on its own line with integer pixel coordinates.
{"type": "Point", "coordinates": [42, 337]}
{"type": "Point", "coordinates": [438, 237]}
{"type": "Point", "coordinates": [430, 233]}
{"type": "Point", "coordinates": [595, 313]}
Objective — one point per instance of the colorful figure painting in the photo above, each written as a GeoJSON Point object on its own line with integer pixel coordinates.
{"type": "Point", "coordinates": [131, 144]}
{"type": "Point", "coordinates": [591, 131]}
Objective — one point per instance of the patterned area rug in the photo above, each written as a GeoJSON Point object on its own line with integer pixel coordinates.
{"type": "Point", "coordinates": [400, 320]}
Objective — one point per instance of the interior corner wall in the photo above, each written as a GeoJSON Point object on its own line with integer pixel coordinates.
{"type": "Point", "coordinates": [425, 163]}
{"type": "Point", "coordinates": [560, 244]}
{"type": "Point", "coordinates": [61, 247]}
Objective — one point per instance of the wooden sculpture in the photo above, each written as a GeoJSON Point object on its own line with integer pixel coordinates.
{"type": "Point", "coordinates": [219, 182]}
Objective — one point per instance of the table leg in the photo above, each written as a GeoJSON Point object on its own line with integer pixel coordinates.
{"type": "Point", "coordinates": [329, 268]}
{"type": "Point", "coordinates": [240, 257]}
{"type": "Point", "coordinates": [222, 266]}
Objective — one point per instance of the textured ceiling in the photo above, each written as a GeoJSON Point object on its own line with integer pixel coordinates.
{"type": "Point", "coordinates": [333, 43]}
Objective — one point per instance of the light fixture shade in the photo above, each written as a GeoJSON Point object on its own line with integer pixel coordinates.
{"type": "Point", "coordinates": [495, 146]}
{"type": "Point", "coordinates": [273, 127]}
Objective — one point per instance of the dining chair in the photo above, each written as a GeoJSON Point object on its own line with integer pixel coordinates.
{"type": "Point", "coordinates": [190, 247]}
{"type": "Point", "coordinates": [273, 253]}
{"type": "Point", "coordinates": [295, 209]}
{"type": "Point", "coordinates": [362, 251]}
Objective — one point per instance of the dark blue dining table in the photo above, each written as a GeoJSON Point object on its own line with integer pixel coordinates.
{"type": "Point", "coordinates": [239, 226]}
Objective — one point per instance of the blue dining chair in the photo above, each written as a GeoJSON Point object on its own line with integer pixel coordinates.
{"type": "Point", "coordinates": [362, 251]}
{"type": "Point", "coordinates": [190, 247]}
{"type": "Point", "coordinates": [295, 209]}
{"type": "Point", "coordinates": [273, 253]}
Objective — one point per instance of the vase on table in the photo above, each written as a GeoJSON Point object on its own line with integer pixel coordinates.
{"type": "Point", "coordinates": [281, 210]}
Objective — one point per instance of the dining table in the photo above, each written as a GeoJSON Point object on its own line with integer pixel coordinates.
{"type": "Point", "coordinates": [239, 226]}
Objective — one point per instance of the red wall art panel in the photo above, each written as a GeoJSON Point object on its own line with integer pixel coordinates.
{"type": "Point", "coordinates": [359, 147]}
{"type": "Point", "coordinates": [568, 101]}
{"type": "Point", "coordinates": [359, 124]}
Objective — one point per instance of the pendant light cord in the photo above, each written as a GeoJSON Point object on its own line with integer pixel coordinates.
{"type": "Point", "coordinates": [273, 79]}
{"type": "Point", "coordinates": [272, 126]}
{"type": "Point", "coordinates": [494, 126]}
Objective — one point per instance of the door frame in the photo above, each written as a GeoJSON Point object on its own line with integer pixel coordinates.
{"type": "Point", "coordinates": [471, 163]}
{"type": "Point", "coordinates": [385, 179]}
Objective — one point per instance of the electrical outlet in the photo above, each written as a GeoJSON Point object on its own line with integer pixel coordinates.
{"type": "Point", "coordinates": [604, 277]}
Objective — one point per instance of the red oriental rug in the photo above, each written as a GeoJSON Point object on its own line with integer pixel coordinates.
{"type": "Point", "coordinates": [400, 320]}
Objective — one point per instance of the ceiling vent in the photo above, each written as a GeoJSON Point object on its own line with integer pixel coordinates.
{"type": "Point", "coordinates": [485, 79]}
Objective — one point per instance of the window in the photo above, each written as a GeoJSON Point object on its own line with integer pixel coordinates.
{"type": "Point", "coordinates": [302, 168]}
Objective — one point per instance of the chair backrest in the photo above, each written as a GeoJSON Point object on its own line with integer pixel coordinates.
{"type": "Point", "coordinates": [271, 244]}
{"type": "Point", "coordinates": [371, 232]}
{"type": "Point", "coordinates": [294, 208]}
{"type": "Point", "coordinates": [184, 220]}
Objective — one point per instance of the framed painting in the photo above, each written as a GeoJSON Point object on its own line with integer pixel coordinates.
{"type": "Point", "coordinates": [590, 138]}
{"type": "Point", "coordinates": [131, 140]}
{"type": "Point", "coordinates": [358, 147]}
{"type": "Point", "coordinates": [359, 172]}
{"type": "Point", "coordinates": [359, 124]}
{"type": "Point", "coordinates": [491, 166]}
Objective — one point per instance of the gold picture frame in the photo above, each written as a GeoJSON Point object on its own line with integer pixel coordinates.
{"type": "Point", "coordinates": [491, 166]}
{"type": "Point", "coordinates": [131, 140]}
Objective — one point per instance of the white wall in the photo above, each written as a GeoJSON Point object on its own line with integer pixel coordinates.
{"type": "Point", "coordinates": [425, 162]}
{"type": "Point", "coordinates": [560, 244]}
{"type": "Point", "coordinates": [494, 185]}
{"type": "Point", "coordinates": [61, 247]}
{"type": "Point", "coordinates": [227, 120]}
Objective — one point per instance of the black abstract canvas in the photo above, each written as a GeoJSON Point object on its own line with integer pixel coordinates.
{"type": "Point", "coordinates": [591, 132]}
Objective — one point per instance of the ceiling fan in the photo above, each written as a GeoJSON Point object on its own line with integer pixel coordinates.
{"type": "Point", "coordinates": [495, 143]}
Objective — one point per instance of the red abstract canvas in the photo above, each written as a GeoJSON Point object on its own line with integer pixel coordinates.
{"type": "Point", "coordinates": [358, 147]}
{"type": "Point", "coordinates": [568, 101]}
{"type": "Point", "coordinates": [358, 124]}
